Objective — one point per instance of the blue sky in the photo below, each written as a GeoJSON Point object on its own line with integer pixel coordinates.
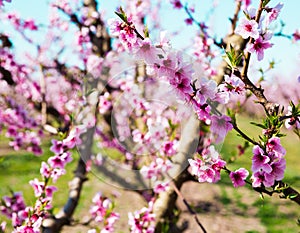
{"type": "Point", "coordinates": [285, 53]}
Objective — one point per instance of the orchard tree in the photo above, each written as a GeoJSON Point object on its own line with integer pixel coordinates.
{"type": "Point", "coordinates": [98, 85]}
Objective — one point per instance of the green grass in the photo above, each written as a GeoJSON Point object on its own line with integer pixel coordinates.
{"type": "Point", "coordinates": [277, 220]}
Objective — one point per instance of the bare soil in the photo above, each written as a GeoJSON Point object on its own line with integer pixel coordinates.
{"type": "Point", "coordinates": [216, 212]}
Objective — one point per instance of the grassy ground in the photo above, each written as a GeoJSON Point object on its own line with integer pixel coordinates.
{"type": "Point", "coordinates": [279, 216]}
{"type": "Point", "coordinates": [216, 204]}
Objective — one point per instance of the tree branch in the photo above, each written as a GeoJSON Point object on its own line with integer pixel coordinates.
{"type": "Point", "coordinates": [235, 16]}
{"type": "Point", "coordinates": [190, 209]}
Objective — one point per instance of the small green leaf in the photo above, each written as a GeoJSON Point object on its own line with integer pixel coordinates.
{"type": "Point", "coordinates": [280, 135]}
{"type": "Point", "coordinates": [292, 196]}
{"type": "Point", "coordinates": [121, 13]}
{"type": "Point", "coordinates": [265, 3]}
{"type": "Point", "coordinates": [146, 31]}
{"type": "Point", "coordinates": [258, 125]}
{"type": "Point", "coordinates": [90, 92]}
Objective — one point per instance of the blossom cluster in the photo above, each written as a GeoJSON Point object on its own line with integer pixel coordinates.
{"type": "Point", "coordinates": [17, 120]}
{"type": "Point", "coordinates": [20, 24]}
{"type": "Point", "coordinates": [14, 208]}
{"type": "Point", "coordinates": [29, 219]}
{"type": "Point", "coordinates": [207, 168]}
{"type": "Point", "coordinates": [259, 31]}
{"type": "Point", "coordinates": [238, 177]}
{"type": "Point", "coordinates": [142, 221]}
{"type": "Point", "coordinates": [156, 169]}
{"type": "Point", "coordinates": [24, 219]}
{"type": "Point", "coordinates": [158, 122]}
{"type": "Point", "coordinates": [102, 211]}
{"type": "Point", "coordinates": [268, 164]}
{"type": "Point", "coordinates": [171, 66]}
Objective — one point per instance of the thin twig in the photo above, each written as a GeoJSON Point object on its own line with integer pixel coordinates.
{"type": "Point", "coordinates": [200, 25]}
{"type": "Point", "coordinates": [243, 135]}
{"type": "Point", "coordinates": [235, 16]}
{"type": "Point", "coordinates": [190, 209]}
{"type": "Point", "coordinates": [243, 75]}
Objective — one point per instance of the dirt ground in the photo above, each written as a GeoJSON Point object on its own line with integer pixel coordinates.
{"type": "Point", "coordinates": [206, 199]}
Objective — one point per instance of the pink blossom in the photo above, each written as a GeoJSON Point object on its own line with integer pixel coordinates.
{"type": "Point", "coordinates": [104, 103]}
{"type": "Point", "coordinates": [73, 138]}
{"type": "Point", "coordinates": [30, 24]}
{"type": "Point", "coordinates": [293, 122]}
{"type": "Point", "coordinates": [170, 148]}
{"type": "Point", "coordinates": [142, 220]}
{"type": "Point", "coordinates": [98, 159]}
{"type": "Point", "coordinates": [101, 211]}
{"type": "Point", "coordinates": [246, 2]}
{"type": "Point", "coordinates": [220, 125]}
{"type": "Point", "coordinates": [164, 40]}
{"type": "Point", "coordinates": [38, 187]}
{"type": "Point", "coordinates": [203, 113]}
{"type": "Point", "coordinates": [273, 13]}
{"type": "Point", "coordinates": [207, 89]}
{"type": "Point", "coordinates": [238, 177]}
{"type": "Point", "coordinates": [248, 28]}
{"type": "Point", "coordinates": [94, 65]}
{"type": "Point", "coordinates": [98, 210]}
{"type": "Point", "coordinates": [261, 177]}
{"type": "Point", "coordinates": [45, 170]}
{"type": "Point", "coordinates": [11, 131]}
{"type": "Point", "coordinates": [202, 48]}
{"type": "Point", "coordinates": [26, 229]}
{"type": "Point", "coordinates": [260, 161]}
{"type": "Point", "coordinates": [15, 20]}
{"type": "Point", "coordinates": [160, 187]}
{"type": "Point", "coordinates": [115, 26]}
{"type": "Point", "coordinates": [251, 12]}
{"type": "Point", "coordinates": [296, 35]}
{"type": "Point", "coordinates": [189, 21]}
{"type": "Point", "coordinates": [176, 4]}
{"type": "Point", "coordinates": [56, 173]}
{"type": "Point", "coordinates": [156, 168]}
{"type": "Point", "coordinates": [3, 224]}
{"type": "Point", "coordinates": [147, 52]}
{"type": "Point", "coordinates": [57, 146]}
{"type": "Point", "coordinates": [278, 169]}
{"type": "Point", "coordinates": [12, 206]}
{"type": "Point", "coordinates": [125, 32]}
{"type": "Point", "coordinates": [207, 169]}
{"type": "Point", "coordinates": [259, 46]}
{"type": "Point", "coordinates": [113, 217]}
{"type": "Point", "coordinates": [232, 85]}
{"type": "Point", "coordinates": [49, 191]}
{"type": "Point", "coordinates": [222, 97]}
{"type": "Point", "coordinates": [274, 145]}
{"type": "Point", "coordinates": [56, 162]}
{"type": "Point", "coordinates": [181, 80]}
